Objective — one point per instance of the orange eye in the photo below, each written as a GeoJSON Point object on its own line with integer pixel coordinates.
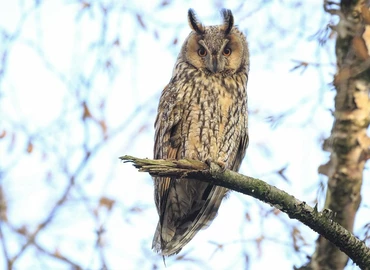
{"type": "Point", "coordinates": [227, 51]}
{"type": "Point", "coordinates": [202, 52]}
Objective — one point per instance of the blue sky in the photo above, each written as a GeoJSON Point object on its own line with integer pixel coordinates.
{"type": "Point", "coordinates": [58, 60]}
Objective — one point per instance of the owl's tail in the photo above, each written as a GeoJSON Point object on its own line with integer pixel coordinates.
{"type": "Point", "coordinates": [171, 237]}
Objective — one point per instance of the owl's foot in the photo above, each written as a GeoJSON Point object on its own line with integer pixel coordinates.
{"type": "Point", "coordinates": [213, 165]}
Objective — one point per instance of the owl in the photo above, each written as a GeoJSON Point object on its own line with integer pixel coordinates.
{"type": "Point", "coordinates": [202, 115]}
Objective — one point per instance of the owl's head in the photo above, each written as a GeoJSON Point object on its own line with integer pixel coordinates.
{"type": "Point", "coordinates": [216, 49]}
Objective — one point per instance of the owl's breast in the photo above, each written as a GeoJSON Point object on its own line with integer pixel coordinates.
{"type": "Point", "coordinates": [209, 121]}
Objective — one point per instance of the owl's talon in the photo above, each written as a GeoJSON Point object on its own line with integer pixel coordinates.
{"type": "Point", "coordinates": [222, 165]}
{"type": "Point", "coordinates": [209, 161]}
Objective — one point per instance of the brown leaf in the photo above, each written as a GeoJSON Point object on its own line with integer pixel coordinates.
{"type": "Point", "coordinates": [104, 128]}
{"type": "Point", "coordinates": [107, 203]}
{"type": "Point", "coordinates": [86, 113]}
{"type": "Point", "coordinates": [3, 134]}
{"type": "Point", "coordinates": [29, 147]}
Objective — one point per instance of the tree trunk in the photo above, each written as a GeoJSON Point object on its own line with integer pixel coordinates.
{"type": "Point", "coordinates": [348, 143]}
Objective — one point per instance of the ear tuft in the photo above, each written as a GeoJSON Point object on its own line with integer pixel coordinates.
{"type": "Point", "coordinates": [194, 22]}
{"type": "Point", "coordinates": [228, 22]}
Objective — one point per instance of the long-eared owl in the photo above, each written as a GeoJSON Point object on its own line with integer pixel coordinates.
{"type": "Point", "coordinates": [202, 115]}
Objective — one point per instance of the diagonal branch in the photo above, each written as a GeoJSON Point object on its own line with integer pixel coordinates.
{"type": "Point", "coordinates": [320, 222]}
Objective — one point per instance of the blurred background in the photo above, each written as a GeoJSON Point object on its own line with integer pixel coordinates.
{"type": "Point", "coordinates": [79, 86]}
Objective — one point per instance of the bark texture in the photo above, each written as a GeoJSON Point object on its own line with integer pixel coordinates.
{"type": "Point", "coordinates": [348, 143]}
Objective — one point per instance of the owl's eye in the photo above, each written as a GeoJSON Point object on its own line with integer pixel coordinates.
{"type": "Point", "coordinates": [227, 51]}
{"type": "Point", "coordinates": [202, 52]}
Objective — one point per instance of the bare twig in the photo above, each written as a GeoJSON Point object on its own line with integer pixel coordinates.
{"type": "Point", "coordinates": [57, 255]}
{"type": "Point", "coordinates": [3, 245]}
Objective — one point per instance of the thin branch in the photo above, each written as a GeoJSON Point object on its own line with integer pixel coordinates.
{"type": "Point", "coordinates": [57, 255]}
{"type": "Point", "coordinates": [320, 222]}
{"type": "Point", "coordinates": [31, 238]}
{"type": "Point", "coordinates": [3, 245]}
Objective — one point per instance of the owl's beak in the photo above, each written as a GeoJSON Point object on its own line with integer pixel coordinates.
{"type": "Point", "coordinates": [213, 64]}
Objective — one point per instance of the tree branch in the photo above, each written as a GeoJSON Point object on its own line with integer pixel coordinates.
{"type": "Point", "coordinates": [320, 222]}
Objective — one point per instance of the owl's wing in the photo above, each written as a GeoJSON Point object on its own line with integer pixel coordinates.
{"type": "Point", "coordinates": [244, 141]}
{"type": "Point", "coordinates": [167, 140]}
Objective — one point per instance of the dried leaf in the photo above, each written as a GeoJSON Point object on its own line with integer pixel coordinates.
{"type": "Point", "coordinates": [104, 128]}
{"type": "Point", "coordinates": [86, 113]}
{"type": "Point", "coordinates": [3, 134]}
{"type": "Point", "coordinates": [29, 147]}
{"type": "Point", "coordinates": [107, 203]}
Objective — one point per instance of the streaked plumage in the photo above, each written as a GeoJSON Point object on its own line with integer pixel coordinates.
{"type": "Point", "coordinates": [202, 115]}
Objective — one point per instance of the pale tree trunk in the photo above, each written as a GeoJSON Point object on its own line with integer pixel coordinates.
{"type": "Point", "coordinates": [348, 143]}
